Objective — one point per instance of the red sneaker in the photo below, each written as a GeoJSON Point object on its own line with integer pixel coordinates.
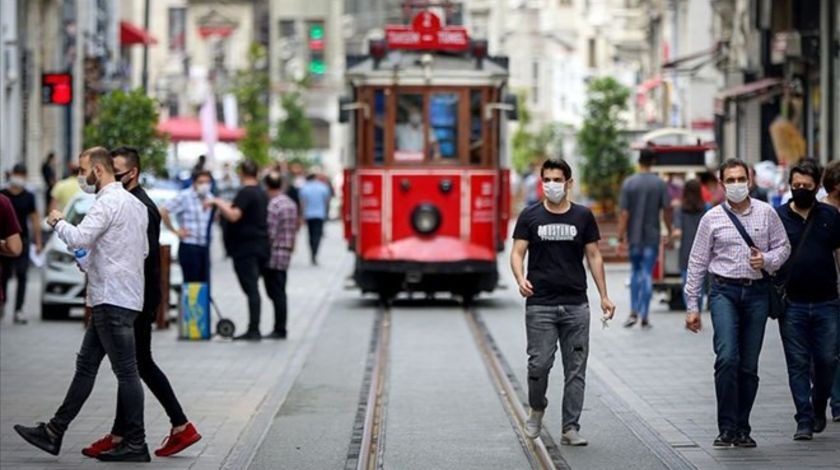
{"type": "Point", "coordinates": [176, 442]}
{"type": "Point", "coordinates": [103, 445]}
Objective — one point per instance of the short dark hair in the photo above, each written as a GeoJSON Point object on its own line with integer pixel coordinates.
{"type": "Point", "coordinates": [692, 198]}
{"type": "Point", "coordinates": [807, 167]}
{"type": "Point", "coordinates": [557, 164]}
{"type": "Point", "coordinates": [249, 168]}
{"type": "Point", "coordinates": [273, 180]}
{"type": "Point", "coordinates": [732, 163]}
{"type": "Point", "coordinates": [198, 174]}
{"type": "Point", "coordinates": [647, 157]}
{"type": "Point", "coordinates": [831, 176]}
{"type": "Point", "coordinates": [131, 155]}
{"type": "Point", "coordinates": [19, 169]}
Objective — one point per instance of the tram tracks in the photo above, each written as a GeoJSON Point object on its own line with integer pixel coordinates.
{"type": "Point", "coordinates": [367, 446]}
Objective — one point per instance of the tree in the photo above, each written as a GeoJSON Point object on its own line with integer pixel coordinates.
{"type": "Point", "coordinates": [600, 142]}
{"type": "Point", "coordinates": [129, 118]}
{"type": "Point", "coordinates": [529, 147]}
{"type": "Point", "coordinates": [294, 134]}
{"type": "Point", "coordinates": [251, 88]}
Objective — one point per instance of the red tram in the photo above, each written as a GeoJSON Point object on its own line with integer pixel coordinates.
{"type": "Point", "coordinates": [426, 194]}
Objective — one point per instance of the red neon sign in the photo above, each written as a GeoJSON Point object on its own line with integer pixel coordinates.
{"type": "Point", "coordinates": [427, 33]}
{"type": "Point", "coordinates": [57, 88]}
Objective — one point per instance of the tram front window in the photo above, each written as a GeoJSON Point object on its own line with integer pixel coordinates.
{"type": "Point", "coordinates": [411, 131]}
{"type": "Point", "coordinates": [443, 120]}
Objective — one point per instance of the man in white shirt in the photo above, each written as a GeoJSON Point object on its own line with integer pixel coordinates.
{"type": "Point", "coordinates": [113, 234]}
{"type": "Point", "coordinates": [410, 136]}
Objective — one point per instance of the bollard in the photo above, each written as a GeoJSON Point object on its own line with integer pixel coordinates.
{"type": "Point", "coordinates": [162, 319]}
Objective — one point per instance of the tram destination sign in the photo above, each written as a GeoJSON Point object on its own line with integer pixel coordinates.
{"type": "Point", "coordinates": [426, 32]}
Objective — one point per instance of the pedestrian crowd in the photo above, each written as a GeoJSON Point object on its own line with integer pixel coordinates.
{"type": "Point", "coordinates": [116, 245]}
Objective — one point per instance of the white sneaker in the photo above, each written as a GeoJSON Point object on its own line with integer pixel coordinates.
{"type": "Point", "coordinates": [19, 318]}
{"type": "Point", "coordinates": [534, 424]}
{"type": "Point", "coordinates": [572, 438]}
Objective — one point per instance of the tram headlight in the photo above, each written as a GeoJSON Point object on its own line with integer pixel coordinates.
{"type": "Point", "coordinates": [425, 218]}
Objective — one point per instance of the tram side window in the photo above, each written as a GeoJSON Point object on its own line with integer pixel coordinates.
{"type": "Point", "coordinates": [379, 105]}
{"type": "Point", "coordinates": [409, 129]}
{"type": "Point", "coordinates": [476, 143]}
{"type": "Point", "coordinates": [443, 119]}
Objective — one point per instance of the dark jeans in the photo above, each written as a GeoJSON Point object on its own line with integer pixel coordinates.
{"type": "Point", "coordinates": [809, 337]}
{"type": "Point", "coordinates": [248, 269]}
{"type": "Point", "coordinates": [152, 376]}
{"type": "Point", "coordinates": [111, 333]}
{"type": "Point", "coordinates": [739, 317]}
{"type": "Point", "coordinates": [316, 231]}
{"type": "Point", "coordinates": [17, 266]}
{"type": "Point", "coordinates": [275, 286]}
{"type": "Point", "coordinates": [545, 327]}
{"type": "Point", "coordinates": [195, 262]}
{"type": "Point", "coordinates": [642, 259]}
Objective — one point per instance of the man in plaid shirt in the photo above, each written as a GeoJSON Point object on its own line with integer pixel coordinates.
{"type": "Point", "coordinates": [282, 228]}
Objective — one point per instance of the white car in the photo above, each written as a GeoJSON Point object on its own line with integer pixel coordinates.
{"type": "Point", "coordinates": [63, 286]}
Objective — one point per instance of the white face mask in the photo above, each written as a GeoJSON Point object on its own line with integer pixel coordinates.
{"type": "Point", "coordinates": [554, 191]}
{"type": "Point", "coordinates": [18, 181]}
{"type": "Point", "coordinates": [88, 188]}
{"type": "Point", "coordinates": [202, 189]}
{"type": "Point", "coordinates": [737, 192]}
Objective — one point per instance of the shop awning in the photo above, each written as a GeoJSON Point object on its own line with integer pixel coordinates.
{"type": "Point", "coordinates": [189, 129]}
{"type": "Point", "coordinates": [758, 87]}
{"type": "Point", "coordinates": [131, 35]}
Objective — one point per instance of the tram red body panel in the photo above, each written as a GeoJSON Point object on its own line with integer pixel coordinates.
{"type": "Point", "coordinates": [438, 249]}
{"type": "Point", "coordinates": [370, 208]}
{"type": "Point", "coordinates": [411, 188]}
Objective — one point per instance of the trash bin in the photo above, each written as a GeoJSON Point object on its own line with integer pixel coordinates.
{"type": "Point", "coordinates": [194, 317]}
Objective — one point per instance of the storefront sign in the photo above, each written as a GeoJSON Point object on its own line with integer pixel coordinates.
{"type": "Point", "coordinates": [427, 33]}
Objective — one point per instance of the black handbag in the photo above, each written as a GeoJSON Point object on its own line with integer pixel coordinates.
{"type": "Point", "coordinates": [778, 294]}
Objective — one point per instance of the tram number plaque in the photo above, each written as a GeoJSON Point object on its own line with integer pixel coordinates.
{"type": "Point", "coordinates": [426, 32]}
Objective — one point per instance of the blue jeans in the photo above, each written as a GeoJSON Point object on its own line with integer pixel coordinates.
{"type": "Point", "coordinates": [546, 326]}
{"type": "Point", "coordinates": [809, 337]}
{"type": "Point", "coordinates": [739, 317]}
{"type": "Point", "coordinates": [642, 260]}
{"type": "Point", "coordinates": [111, 333]}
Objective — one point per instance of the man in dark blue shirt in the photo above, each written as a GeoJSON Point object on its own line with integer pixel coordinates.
{"type": "Point", "coordinates": [809, 327]}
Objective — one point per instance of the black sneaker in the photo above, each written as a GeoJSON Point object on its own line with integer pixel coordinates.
{"type": "Point", "coordinates": [41, 437]}
{"type": "Point", "coordinates": [836, 416]}
{"type": "Point", "coordinates": [631, 320]}
{"type": "Point", "coordinates": [804, 432]}
{"type": "Point", "coordinates": [646, 325]}
{"type": "Point", "coordinates": [277, 335]}
{"type": "Point", "coordinates": [125, 452]}
{"type": "Point", "coordinates": [744, 441]}
{"type": "Point", "coordinates": [250, 336]}
{"type": "Point", "coordinates": [725, 440]}
{"type": "Point", "coordinates": [820, 421]}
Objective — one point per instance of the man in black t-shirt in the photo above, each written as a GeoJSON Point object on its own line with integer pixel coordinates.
{"type": "Point", "coordinates": [27, 215]}
{"type": "Point", "coordinates": [247, 235]}
{"type": "Point", "coordinates": [556, 235]}
{"type": "Point", "coordinates": [809, 328]}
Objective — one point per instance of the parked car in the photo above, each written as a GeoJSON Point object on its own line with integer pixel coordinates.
{"type": "Point", "coordinates": [63, 286]}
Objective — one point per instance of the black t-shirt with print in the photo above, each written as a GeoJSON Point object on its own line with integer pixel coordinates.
{"type": "Point", "coordinates": [556, 246]}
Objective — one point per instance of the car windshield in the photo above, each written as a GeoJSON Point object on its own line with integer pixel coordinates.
{"type": "Point", "coordinates": [79, 209]}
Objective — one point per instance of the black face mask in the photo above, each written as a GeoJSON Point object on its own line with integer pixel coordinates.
{"type": "Point", "coordinates": [804, 198]}
{"type": "Point", "coordinates": [119, 177]}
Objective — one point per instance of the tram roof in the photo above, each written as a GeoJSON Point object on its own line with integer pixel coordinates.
{"type": "Point", "coordinates": [410, 70]}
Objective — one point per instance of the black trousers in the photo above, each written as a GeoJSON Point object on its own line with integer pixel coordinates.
{"type": "Point", "coordinates": [316, 231]}
{"type": "Point", "coordinates": [248, 270]}
{"type": "Point", "coordinates": [18, 267]}
{"type": "Point", "coordinates": [275, 286]}
{"type": "Point", "coordinates": [111, 333]}
{"type": "Point", "coordinates": [152, 376]}
{"type": "Point", "coordinates": [195, 262]}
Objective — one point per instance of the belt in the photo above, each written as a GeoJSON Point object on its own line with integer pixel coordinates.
{"type": "Point", "coordinates": [738, 281]}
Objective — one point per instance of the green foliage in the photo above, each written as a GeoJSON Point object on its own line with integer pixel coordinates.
{"type": "Point", "coordinates": [251, 88]}
{"type": "Point", "coordinates": [600, 142]}
{"type": "Point", "coordinates": [129, 118]}
{"type": "Point", "coordinates": [294, 134]}
{"type": "Point", "coordinates": [529, 147]}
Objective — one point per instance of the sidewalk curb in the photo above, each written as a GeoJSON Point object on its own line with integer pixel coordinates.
{"type": "Point", "coordinates": [249, 441]}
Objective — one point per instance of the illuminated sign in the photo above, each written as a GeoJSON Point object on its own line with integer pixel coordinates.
{"type": "Point", "coordinates": [57, 89]}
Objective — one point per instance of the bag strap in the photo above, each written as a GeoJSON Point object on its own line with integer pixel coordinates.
{"type": "Point", "coordinates": [746, 236]}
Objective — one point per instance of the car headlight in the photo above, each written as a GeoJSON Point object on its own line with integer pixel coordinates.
{"type": "Point", "coordinates": [425, 218]}
{"type": "Point", "coordinates": [59, 258]}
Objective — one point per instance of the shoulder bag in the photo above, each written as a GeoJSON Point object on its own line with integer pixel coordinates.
{"type": "Point", "coordinates": [778, 294]}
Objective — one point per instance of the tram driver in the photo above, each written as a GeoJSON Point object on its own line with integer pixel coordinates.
{"type": "Point", "coordinates": [410, 142]}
